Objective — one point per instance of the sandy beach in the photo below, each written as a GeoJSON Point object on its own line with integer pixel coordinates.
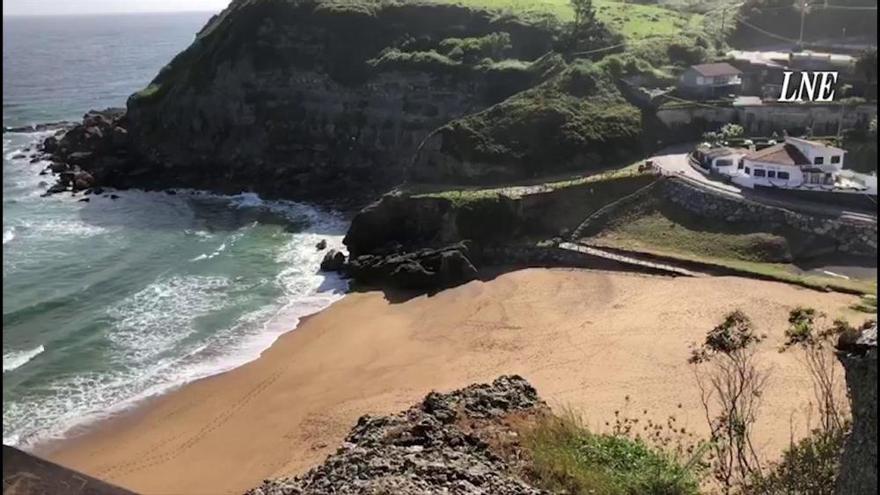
{"type": "Point", "coordinates": [586, 340]}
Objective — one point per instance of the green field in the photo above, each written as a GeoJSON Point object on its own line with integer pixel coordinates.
{"type": "Point", "coordinates": [633, 21]}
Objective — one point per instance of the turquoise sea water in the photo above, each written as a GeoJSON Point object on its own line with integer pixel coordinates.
{"type": "Point", "coordinates": [112, 301]}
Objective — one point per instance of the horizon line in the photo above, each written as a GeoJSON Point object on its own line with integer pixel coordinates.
{"type": "Point", "coordinates": [132, 12]}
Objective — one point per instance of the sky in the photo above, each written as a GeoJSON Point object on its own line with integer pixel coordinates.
{"type": "Point", "coordinates": [67, 7]}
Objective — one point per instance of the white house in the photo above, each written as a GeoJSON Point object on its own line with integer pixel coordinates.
{"type": "Point", "coordinates": [803, 165]}
{"type": "Point", "coordinates": [710, 80]}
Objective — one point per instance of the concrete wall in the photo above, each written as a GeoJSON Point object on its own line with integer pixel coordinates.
{"type": "Point", "coordinates": [766, 119]}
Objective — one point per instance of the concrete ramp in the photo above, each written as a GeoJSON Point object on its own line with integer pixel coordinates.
{"type": "Point", "coordinates": [25, 474]}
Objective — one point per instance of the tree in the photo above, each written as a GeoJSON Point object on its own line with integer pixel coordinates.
{"type": "Point", "coordinates": [584, 14]}
{"type": "Point", "coordinates": [587, 31]}
{"type": "Point", "coordinates": [731, 385]}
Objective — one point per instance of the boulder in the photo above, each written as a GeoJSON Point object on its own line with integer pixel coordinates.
{"type": "Point", "coordinates": [50, 144]}
{"type": "Point", "coordinates": [321, 245]}
{"type": "Point", "coordinates": [82, 181]}
{"type": "Point", "coordinates": [333, 261]}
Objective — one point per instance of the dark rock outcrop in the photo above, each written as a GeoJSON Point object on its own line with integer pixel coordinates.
{"type": "Point", "coordinates": [424, 269]}
{"type": "Point", "coordinates": [858, 464]}
{"type": "Point", "coordinates": [455, 443]}
{"type": "Point", "coordinates": [333, 261]}
{"type": "Point", "coordinates": [25, 474]}
{"type": "Point", "coordinates": [409, 222]}
{"type": "Point", "coordinates": [89, 152]}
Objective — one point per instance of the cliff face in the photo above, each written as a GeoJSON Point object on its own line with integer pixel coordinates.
{"type": "Point", "coordinates": [858, 465]}
{"type": "Point", "coordinates": [314, 99]}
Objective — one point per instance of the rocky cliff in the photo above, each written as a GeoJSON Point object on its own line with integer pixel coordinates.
{"type": "Point", "coordinates": [314, 99]}
{"type": "Point", "coordinates": [465, 441]}
{"type": "Point", "coordinates": [332, 101]}
{"type": "Point", "coordinates": [858, 465]}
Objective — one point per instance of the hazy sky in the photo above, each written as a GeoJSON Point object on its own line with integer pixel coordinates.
{"type": "Point", "coordinates": [60, 7]}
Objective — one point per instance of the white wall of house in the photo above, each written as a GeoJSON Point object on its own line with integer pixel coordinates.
{"type": "Point", "coordinates": [828, 158]}
{"type": "Point", "coordinates": [726, 164]}
{"type": "Point", "coordinates": [755, 173]}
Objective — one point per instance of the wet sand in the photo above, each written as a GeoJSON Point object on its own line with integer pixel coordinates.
{"type": "Point", "coordinates": [586, 340]}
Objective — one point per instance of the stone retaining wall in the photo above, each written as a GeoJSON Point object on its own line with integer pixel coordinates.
{"type": "Point", "coordinates": [763, 120]}
{"type": "Point", "coordinates": [853, 237]}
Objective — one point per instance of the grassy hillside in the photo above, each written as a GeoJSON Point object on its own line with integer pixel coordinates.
{"type": "Point", "coordinates": [634, 21]}
{"type": "Point", "coordinates": [576, 120]}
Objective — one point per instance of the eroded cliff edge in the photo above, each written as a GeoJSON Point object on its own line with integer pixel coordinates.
{"type": "Point", "coordinates": [858, 464]}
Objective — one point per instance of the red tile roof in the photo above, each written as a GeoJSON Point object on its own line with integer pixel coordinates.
{"type": "Point", "coordinates": [782, 154]}
{"type": "Point", "coordinates": [719, 69]}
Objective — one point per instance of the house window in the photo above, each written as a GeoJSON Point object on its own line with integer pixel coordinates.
{"type": "Point", "coordinates": [819, 160]}
{"type": "Point", "coordinates": [771, 174]}
{"type": "Point", "coordinates": [700, 80]}
{"type": "Point", "coordinates": [747, 171]}
{"type": "Point", "coordinates": [829, 179]}
{"type": "Point", "coordinates": [739, 166]}
{"type": "Point", "coordinates": [759, 172]}
{"type": "Point", "coordinates": [835, 159]}
{"type": "Point", "coordinates": [815, 178]}
{"type": "Point", "coordinates": [723, 162]}
{"type": "Point", "coordinates": [782, 175]}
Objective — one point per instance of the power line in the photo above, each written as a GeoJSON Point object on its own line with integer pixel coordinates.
{"type": "Point", "coordinates": [768, 33]}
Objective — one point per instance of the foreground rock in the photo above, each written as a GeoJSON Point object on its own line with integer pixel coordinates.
{"type": "Point", "coordinates": [456, 443]}
{"type": "Point", "coordinates": [25, 474]}
{"type": "Point", "coordinates": [858, 464]}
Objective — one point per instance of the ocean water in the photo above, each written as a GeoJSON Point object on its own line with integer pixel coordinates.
{"type": "Point", "coordinates": [108, 302]}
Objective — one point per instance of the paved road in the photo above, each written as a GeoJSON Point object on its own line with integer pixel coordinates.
{"type": "Point", "coordinates": [674, 161]}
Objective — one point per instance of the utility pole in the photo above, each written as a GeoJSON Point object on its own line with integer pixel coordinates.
{"type": "Point", "coordinates": [803, 15]}
{"type": "Point", "coordinates": [723, 14]}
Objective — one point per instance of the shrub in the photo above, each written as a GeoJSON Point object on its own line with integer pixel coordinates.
{"type": "Point", "coordinates": [394, 59]}
{"type": "Point", "coordinates": [472, 50]}
{"type": "Point", "coordinates": [809, 467]}
{"type": "Point", "coordinates": [567, 457]}
{"type": "Point", "coordinates": [809, 332]}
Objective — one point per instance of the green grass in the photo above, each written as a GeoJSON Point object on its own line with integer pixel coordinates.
{"type": "Point", "coordinates": [465, 195]}
{"type": "Point", "coordinates": [568, 458]}
{"type": "Point", "coordinates": [781, 272]}
{"type": "Point", "coordinates": [867, 304]}
{"type": "Point", "coordinates": [633, 21]}
{"type": "Point", "coordinates": [638, 22]}
{"type": "Point", "coordinates": [661, 232]}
